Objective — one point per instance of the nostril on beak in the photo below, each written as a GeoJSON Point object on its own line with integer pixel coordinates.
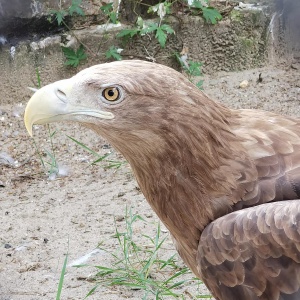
{"type": "Point", "coordinates": [61, 95]}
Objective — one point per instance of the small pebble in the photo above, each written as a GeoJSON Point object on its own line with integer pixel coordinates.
{"type": "Point", "coordinates": [244, 84]}
{"type": "Point", "coordinates": [121, 194]}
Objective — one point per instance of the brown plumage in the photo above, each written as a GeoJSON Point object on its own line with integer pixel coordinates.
{"type": "Point", "coordinates": [209, 172]}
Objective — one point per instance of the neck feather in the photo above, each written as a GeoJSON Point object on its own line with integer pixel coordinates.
{"type": "Point", "coordinates": [183, 165]}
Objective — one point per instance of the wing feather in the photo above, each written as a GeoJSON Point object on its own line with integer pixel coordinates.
{"type": "Point", "coordinates": [253, 253]}
{"type": "Point", "coordinates": [273, 144]}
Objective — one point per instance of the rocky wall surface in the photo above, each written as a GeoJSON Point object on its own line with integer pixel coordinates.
{"type": "Point", "coordinates": [22, 19]}
{"type": "Point", "coordinates": [237, 42]}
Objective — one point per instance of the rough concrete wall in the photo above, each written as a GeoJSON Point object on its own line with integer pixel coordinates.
{"type": "Point", "coordinates": [285, 32]}
{"type": "Point", "coordinates": [238, 42]}
{"type": "Point", "coordinates": [27, 18]}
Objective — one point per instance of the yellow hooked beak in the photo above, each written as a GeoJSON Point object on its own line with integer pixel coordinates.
{"type": "Point", "coordinates": [53, 103]}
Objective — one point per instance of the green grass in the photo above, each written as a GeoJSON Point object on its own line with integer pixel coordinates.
{"type": "Point", "coordinates": [62, 276]}
{"type": "Point", "coordinates": [109, 164]}
{"type": "Point", "coordinates": [143, 265]}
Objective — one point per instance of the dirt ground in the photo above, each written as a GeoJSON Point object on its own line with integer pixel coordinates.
{"type": "Point", "coordinates": [44, 218]}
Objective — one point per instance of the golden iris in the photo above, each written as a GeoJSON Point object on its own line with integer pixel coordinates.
{"type": "Point", "coordinates": [111, 94]}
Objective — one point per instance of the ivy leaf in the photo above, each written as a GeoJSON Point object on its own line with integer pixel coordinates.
{"type": "Point", "coordinates": [74, 57]}
{"type": "Point", "coordinates": [195, 68]}
{"type": "Point", "coordinates": [107, 8]}
{"type": "Point", "coordinates": [152, 27]}
{"type": "Point", "coordinates": [197, 4]}
{"type": "Point", "coordinates": [211, 15]}
{"type": "Point", "coordinates": [128, 32]}
{"type": "Point", "coordinates": [113, 17]}
{"type": "Point", "coordinates": [167, 28]}
{"type": "Point", "coordinates": [75, 8]}
{"type": "Point", "coordinates": [161, 34]}
{"type": "Point", "coordinates": [81, 53]}
{"type": "Point", "coordinates": [113, 52]}
{"type": "Point", "coordinates": [161, 37]}
{"type": "Point", "coordinates": [59, 15]}
{"type": "Point", "coordinates": [199, 84]}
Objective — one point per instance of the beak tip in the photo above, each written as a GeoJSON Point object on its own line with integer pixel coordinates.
{"type": "Point", "coordinates": [29, 129]}
{"type": "Point", "coordinates": [28, 124]}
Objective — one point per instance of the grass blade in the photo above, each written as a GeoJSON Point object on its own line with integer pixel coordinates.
{"type": "Point", "coordinates": [84, 146]}
{"type": "Point", "coordinates": [62, 277]}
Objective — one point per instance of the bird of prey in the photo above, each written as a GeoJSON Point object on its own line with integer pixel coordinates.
{"type": "Point", "coordinates": [224, 182]}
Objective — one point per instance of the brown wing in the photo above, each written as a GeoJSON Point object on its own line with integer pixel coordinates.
{"type": "Point", "coordinates": [273, 144]}
{"type": "Point", "coordinates": [253, 253]}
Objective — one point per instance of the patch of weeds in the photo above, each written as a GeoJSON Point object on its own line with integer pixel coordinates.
{"type": "Point", "coordinates": [59, 15]}
{"type": "Point", "coordinates": [191, 68]}
{"type": "Point", "coordinates": [159, 30]}
{"type": "Point", "coordinates": [75, 8]}
{"type": "Point", "coordinates": [210, 14]}
{"type": "Point", "coordinates": [100, 158]}
{"type": "Point", "coordinates": [109, 11]}
{"type": "Point", "coordinates": [143, 267]}
{"type": "Point", "coordinates": [114, 52]}
{"type": "Point", "coordinates": [74, 57]}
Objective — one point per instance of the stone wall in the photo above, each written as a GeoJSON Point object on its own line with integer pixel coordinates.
{"type": "Point", "coordinates": [237, 42]}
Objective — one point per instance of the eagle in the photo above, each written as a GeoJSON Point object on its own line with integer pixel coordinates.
{"type": "Point", "coordinates": [225, 182]}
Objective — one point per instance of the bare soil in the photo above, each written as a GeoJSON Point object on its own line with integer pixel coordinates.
{"type": "Point", "coordinates": [42, 219]}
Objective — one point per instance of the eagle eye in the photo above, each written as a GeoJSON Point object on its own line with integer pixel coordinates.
{"type": "Point", "coordinates": [111, 94]}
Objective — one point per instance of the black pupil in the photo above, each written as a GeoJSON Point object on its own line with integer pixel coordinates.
{"type": "Point", "coordinates": [111, 93]}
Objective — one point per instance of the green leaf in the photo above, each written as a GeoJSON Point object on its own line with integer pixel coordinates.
{"type": "Point", "coordinates": [161, 32]}
{"type": "Point", "coordinates": [112, 52]}
{"type": "Point", "coordinates": [107, 9]}
{"type": "Point", "coordinates": [211, 15]}
{"type": "Point", "coordinates": [152, 27]}
{"type": "Point", "coordinates": [140, 22]}
{"type": "Point", "coordinates": [100, 159]}
{"type": "Point", "coordinates": [167, 28]}
{"type": "Point", "coordinates": [74, 57]}
{"type": "Point", "coordinates": [75, 8]}
{"type": "Point", "coordinates": [197, 4]}
{"type": "Point", "coordinates": [113, 17]}
{"type": "Point", "coordinates": [199, 84]}
{"type": "Point", "coordinates": [80, 53]}
{"type": "Point", "coordinates": [68, 52]}
{"type": "Point", "coordinates": [161, 37]}
{"type": "Point", "coordinates": [62, 275]}
{"type": "Point", "coordinates": [91, 291]}
{"type": "Point", "coordinates": [59, 15]}
{"type": "Point", "coordinates": [128, 32]}
{"type": "Point", "coordinates": [195, 68]}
